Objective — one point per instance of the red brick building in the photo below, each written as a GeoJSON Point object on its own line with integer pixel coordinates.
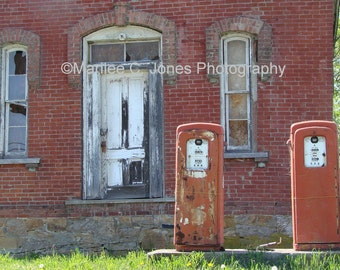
{"type": "Point", "coordinates": [92, 93]}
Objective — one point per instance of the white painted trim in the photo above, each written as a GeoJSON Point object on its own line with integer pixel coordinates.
{"type": "Point", "coordinates": [225, 93]}
{"type": "Point", "coordinates": [120, 201]}
{"type": "Point", "coordinates": [19, 161]}
{"type": "Point", "coordinates": [121, 34]}
{"type": "Point", "coordinates": [31, 163]}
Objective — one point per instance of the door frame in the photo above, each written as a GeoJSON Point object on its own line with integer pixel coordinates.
{"type": "Point", "coordinates": [94, 187]}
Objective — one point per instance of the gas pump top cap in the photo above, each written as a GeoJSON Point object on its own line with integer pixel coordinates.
{"type": "Point", "coordinates": [218, 129]}
{"type": "Point", "coordinates": [313, 123]}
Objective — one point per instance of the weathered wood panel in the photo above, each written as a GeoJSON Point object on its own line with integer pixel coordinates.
{"type": "Point", "coordinates": [156, 135]}
{"type": "Point", "coordinates": [92, 166]}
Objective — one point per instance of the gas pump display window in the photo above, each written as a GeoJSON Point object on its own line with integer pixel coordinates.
{"type": "Point", "coordinates": [197, 154]}
{"type": "Point", "coordinates": [315, 151]}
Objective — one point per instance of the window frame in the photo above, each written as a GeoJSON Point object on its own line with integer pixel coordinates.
{"type": "Point", "coordinates": [250, 90]}
{"type": "Point", "coordinates": [5, 103]}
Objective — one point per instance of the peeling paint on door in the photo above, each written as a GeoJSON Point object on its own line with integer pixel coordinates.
{"type": "Point", "coordinates": [123, 114]}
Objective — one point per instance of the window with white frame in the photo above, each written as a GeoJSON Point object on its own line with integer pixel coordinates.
{"type": "Point", "coordinates": [236, 91]}
{"type": "Point", "coordinates": [14, 102]}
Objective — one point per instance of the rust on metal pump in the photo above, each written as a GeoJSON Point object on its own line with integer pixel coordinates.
{"type": "Point", "coordinates": [199, 191]}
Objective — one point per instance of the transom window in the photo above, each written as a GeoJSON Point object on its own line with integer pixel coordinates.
{"type": "Point", "coordinates": [125, 52]}
{"type": "Point", "coordinates": [236, 92]}
{"type": "Point", "coordinates": [14, 102]}
{"type": "Point", "coordinates": [127, 44]}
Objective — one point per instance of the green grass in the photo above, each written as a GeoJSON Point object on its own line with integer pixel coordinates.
{"type": "Point", "coordinates": [195, 260]}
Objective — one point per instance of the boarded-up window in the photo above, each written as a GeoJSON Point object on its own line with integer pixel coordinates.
{"type": "Point", "coordinates": [236, 92]}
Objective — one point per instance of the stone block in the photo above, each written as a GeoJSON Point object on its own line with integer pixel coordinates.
{"type": "Point", "coordinates": [153, 239]}
{"type": "Point", "coordinates": [15, 227]}
{"type": "Point", "coordinates": [56, 224]}
{"type": "Point", "coordinates": [8, 243]}
{"type": "Point", "coordinates": [145, 221]}
{"type": "Point", "coordinates": [33, 223]}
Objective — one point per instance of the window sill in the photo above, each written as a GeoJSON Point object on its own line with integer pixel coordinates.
{"type": "Point", "coordinates": [122, 201]}
{"type": "Point", "coordinates": [31, 163]}
{"type": "Point", "coordinates": [259, 157]}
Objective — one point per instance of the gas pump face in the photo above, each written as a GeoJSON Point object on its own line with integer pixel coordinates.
{"type": "Point", "coordinates": [197, 154]}
{"type": "Point", "coordinates": [315, 151]}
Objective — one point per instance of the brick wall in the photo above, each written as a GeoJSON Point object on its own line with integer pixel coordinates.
{"type": "Point", "coordinates": [301, 38]}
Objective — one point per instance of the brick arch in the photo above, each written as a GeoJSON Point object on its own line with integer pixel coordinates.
{"type": "Point", "coordinates": [32, 42]}
{"type": "Point", "coordinates": [121, 15]}
{"type": "Point", "coordinates": [256, 27]}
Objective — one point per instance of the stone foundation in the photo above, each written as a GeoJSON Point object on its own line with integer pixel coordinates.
{"type": "Point", "coordinates": [250, 231]}
{"type": "Point", "coordinates": [115, 234]}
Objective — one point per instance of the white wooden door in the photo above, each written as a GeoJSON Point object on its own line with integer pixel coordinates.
{"type": "Point", "coordinates": [124, 133]}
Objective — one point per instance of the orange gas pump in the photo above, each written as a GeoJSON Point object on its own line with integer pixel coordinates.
{"type": "Point", "coordinates": [199, 211]}
{"type": "Point", "coordinates": [315, 185]}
